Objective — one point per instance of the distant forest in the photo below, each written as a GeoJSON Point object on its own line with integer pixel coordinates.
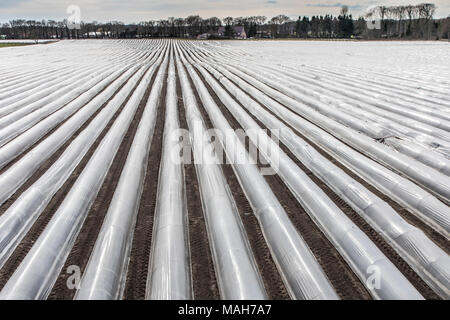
{"type": "Point", "coordinates": [382, 22]}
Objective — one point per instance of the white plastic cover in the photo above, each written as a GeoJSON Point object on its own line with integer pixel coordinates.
{"type": "Point", "coordinates": [35, 276]}
{"type": "Point", "coordinates": [105, 275]}
{"type": "Point", "coordinates": [303, 276]}
{"type": "Point", "coordinates": [423, 255]}
{"type": "Point", "coordinates": [347, 237]}
{"type": "Point", "coordinates": [169, 275]}
{"type": "Point", "coordinates": [418, 200]}
{"type": "Point", "coordinates": [236, 271]}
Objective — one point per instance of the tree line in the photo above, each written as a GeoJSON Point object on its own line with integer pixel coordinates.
{"type": "Point", "coordinates": [413, 22]}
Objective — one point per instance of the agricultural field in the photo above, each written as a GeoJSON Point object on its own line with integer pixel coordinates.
{"type": "Point", "coordinates": [27, 41]}
{"type": "Point", "coordinates": [176, 169]}
{"type": "Point", "coordinates": [4, 45]}
{"type": "Point", "coordinates": [19, 43]}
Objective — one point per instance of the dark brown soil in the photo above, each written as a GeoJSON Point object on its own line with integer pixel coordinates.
{"type": "Point", "coordinates": [136, 282]}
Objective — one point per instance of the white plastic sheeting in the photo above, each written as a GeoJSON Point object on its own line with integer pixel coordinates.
{"type": "Point", "coordinates": [105, 274]}
{"type": "Point", "coordinates": [407, 112]}
{"type": "Point", "coordinates": [365, 97]}
{"type": "Point", "coordinates": [400, 107]}
{"type": "Point", "coordinates": [403, 72]}
{"type": "Point", "coordinates": [236, 271]}
{"type": "Point", "coordinates": [370, 129]}
{"type": "Point", "coordinates": [424, 155]}
{"type": "Point", "coordinates": [22, 94]}
{"type": "Point", "coordinates": [30, 77]}
{"type": "Point", "coordinates": [12, 149]}
{"type": "Point", "coordinates": [21, 143]}
{"type": "Point", "coordinates": [418, 200]}
{"type": "Point", "coordinates": [18, 219]}
{"type": "Point", "coordinates": [169, 274]}
{"type": "Point", "coordinates": [431, 96]}
{"type": "Point", "coordinates": [436, 138]}
{"type": "Point", "coordinates": [350, 241]}
{"type": "Point", "coordinates": [19, 125]}
{"type": "Point", "coordinates": [424, 256]}
{"type": "Point", "coordinates": [26, 41]}
{"type": "Point", "coordinates": [26, 93]}
{"type": "Point", "coordinates": [303, 276]}
{"type": "Point", "coordinates": [432, 138]}
{"type": "Point", "coordinates": [20, 171]}
{"type": "Point", "coordinates": [52, 75]}
{"type": "Point", "coordinates": [11, 111]}
{"type": "Point", "coordinates": [426, 176]}
{"type": "Point", "coordinates": [375, 89]}
{"type": "Point", "coordinates": [35, 276]}
{"type": "Point", "coordinates": [429, 135]}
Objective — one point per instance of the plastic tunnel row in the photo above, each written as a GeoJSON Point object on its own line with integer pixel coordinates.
{"type": "Point", "coordinates": [314, 111]}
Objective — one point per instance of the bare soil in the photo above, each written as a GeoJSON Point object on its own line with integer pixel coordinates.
{"type": "Point", "coordinates": [140, 251]}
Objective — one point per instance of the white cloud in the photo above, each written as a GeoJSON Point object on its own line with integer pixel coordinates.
{"type": "Point", "coordinates": [139, 10]}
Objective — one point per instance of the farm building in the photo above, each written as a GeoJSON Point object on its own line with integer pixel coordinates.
{"type": "Point", "coordinates": [238, 32]}
{"type": "Point", "coordinates": [265, 34]}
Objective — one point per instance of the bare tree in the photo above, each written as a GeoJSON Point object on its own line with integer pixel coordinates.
{"type": "Point", "coordinates": [213, 23]}
{"type": "Point", "coordinates": [261, 20]}
{"type": "Point", "coordinates": [399, 12]}
{"type": "Point", "coordinates": [411, 12]}
{"type": "Point", "coordinates": [228, 21]}
{"type": "Point", "coordinates": [193, 22]}
{"type": "Point", "coordinates": [413, 21]}
{"type": "Point", "coordinates": [426, 12]}
{"type": "Point", "coordinates": [277, 21]}
{"type": "Point", "coordinates": [179, 24]}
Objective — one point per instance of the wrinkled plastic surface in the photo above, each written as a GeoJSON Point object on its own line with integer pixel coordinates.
{"type": "Point", "coordinates": [39, 270]}
{"type": "Point", "coordinates": [418, 200]}
{"type": "Point", "coordinates": [303, 276]}
{"type": "Point", "coordinates": [236, 271]}
{"type": "Point", "coordinates": [19, 217]}
{"type": "Point", "coordinates": [105, 274]}
{"type": "Point", "coordinates": [169, 275]}
{"type": "Point", "coordinates": [350, 241]}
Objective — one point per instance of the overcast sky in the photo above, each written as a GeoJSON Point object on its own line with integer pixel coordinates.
{"type": "Point", "coordinates": [140, 10]}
